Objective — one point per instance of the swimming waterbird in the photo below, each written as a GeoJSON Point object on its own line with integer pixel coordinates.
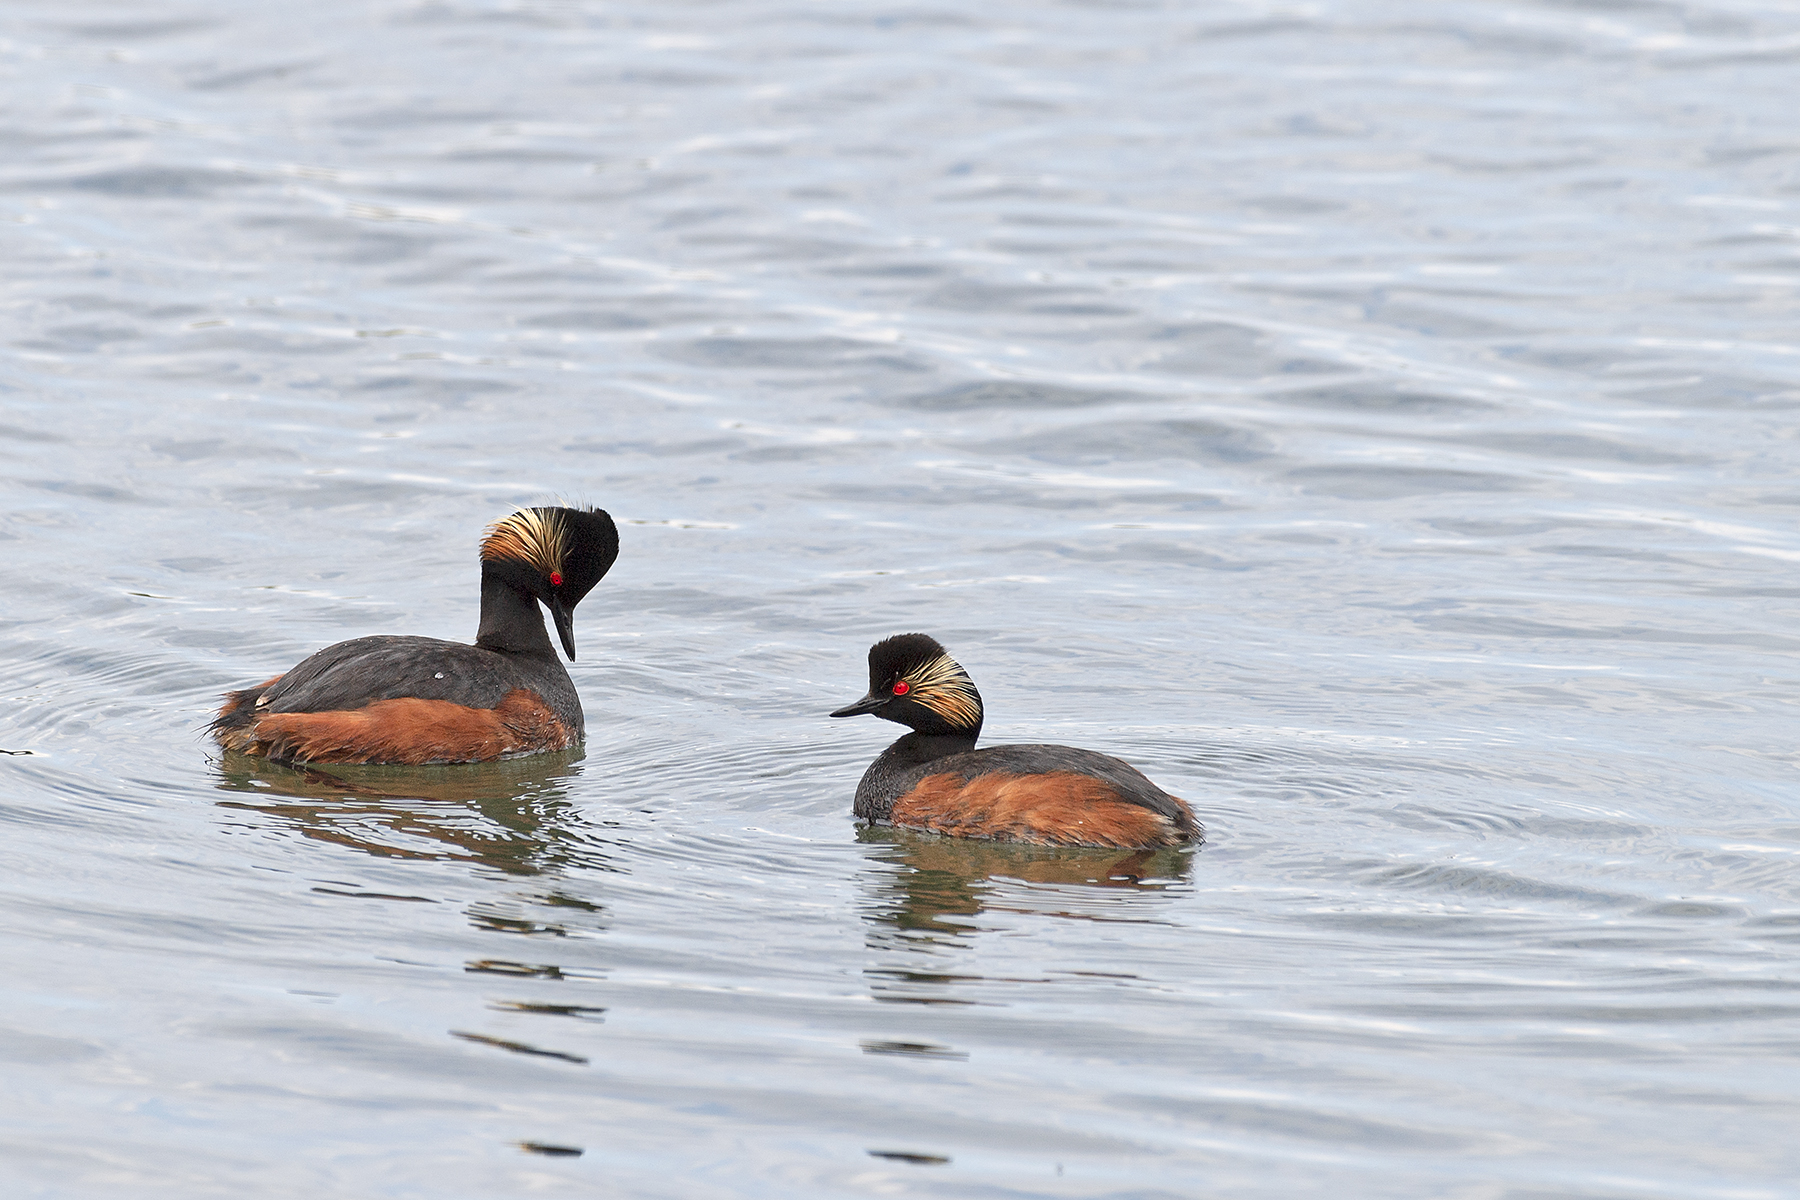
{"type": "Point", "coordinates": [422, 700]}
{"type": "Point", "coordinates": [935, 779]}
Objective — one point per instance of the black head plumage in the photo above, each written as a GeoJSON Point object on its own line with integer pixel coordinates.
{"type": "Point", "coordinates": [554, 553]}
{"type": "Point", "coordinates": [914, 681]}
{"type": "Point", "coordinates": [891, 658]}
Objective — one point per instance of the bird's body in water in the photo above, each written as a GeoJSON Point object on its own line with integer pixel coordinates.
{"type": "Point", "coordinates": [421, 700]}
{"type": "Point", "coordinates": [935, 779]}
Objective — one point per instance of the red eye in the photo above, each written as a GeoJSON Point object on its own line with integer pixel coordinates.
{"type": "Point", "coordinates": [901, 688]}
{"type": "Point", "coordinates": [556, 579]}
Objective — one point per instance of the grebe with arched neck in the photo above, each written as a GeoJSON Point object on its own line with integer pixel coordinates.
{"type": "Point", "coordinates": [418, 700]}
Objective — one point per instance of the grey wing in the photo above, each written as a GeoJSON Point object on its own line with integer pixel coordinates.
{"type": "Point", "coordinates": [362, 671]}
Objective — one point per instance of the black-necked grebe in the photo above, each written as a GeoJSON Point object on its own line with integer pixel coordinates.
{"type": "Point", "coordinates": [934, 779]}
{"type": "Point", "coordinates": [421, 700]}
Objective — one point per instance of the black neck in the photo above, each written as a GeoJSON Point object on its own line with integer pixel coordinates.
{"type": "Point", "coordinates": [916, 748]}
{"type": "Point", "coordinates": [511, 621]}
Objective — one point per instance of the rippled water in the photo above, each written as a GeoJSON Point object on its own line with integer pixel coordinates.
{"type": "Point", "coordinates": [1376, 421]}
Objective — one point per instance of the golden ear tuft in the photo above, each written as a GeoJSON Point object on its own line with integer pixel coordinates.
{"type": "Point", "coordinates": [941, 685]}
{"type": "Point", "coordinates": [536, 537]}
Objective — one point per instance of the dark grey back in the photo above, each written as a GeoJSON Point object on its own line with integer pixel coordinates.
{"type": "Point", "coordinates": [362, 671]}
{"type": "Point", "coordinates": [904, 764]}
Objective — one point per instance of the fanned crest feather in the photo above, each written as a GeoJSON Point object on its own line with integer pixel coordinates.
{"type": "Point", "coordinates": [537, 537]}
{"type": "Point", "coordinates": [941, 685]}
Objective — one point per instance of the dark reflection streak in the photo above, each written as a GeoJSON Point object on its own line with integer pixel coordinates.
{"type": "Point", "coordinates": [932, 977]}
{"type": "Point", "coordinates": [909, 1156]}
{"type": "Point", "coordinates": [517, 1047]}
{"type": "Point", "coordinates": [586, 1012]}
{"type": "Point", "coordinates": [1100, 974]}
{"type": "Point", "coordinates": [892, 998]}
{"type": "Point", "coordinates": [374, 895]}
{"type": "Point", "coordinates": [494, 966]}
{"type": "Point", "coordinates": [500, 924]}
{"type": "Point", "coordinates": [913, 1050]}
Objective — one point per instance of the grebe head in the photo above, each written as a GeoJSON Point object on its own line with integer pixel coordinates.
{"type": "Point", "coordinates": [555, 554]}
{"type": "Point", "coordinates": [914, 681]}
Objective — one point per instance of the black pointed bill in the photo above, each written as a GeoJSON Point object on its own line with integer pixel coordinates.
{"type": "Point", "coordinates": [867, 704]}
{"type": "Point", "coordinates": [564, 618]}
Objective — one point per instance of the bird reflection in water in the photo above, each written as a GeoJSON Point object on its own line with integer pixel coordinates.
{"type": "Point", "coordinates": [511, 816]}
{"type": "Point", "coordinates": [926, 895]}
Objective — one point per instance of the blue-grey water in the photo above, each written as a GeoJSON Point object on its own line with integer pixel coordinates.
{"type": "Point", "coordinates": [1380, 422]}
